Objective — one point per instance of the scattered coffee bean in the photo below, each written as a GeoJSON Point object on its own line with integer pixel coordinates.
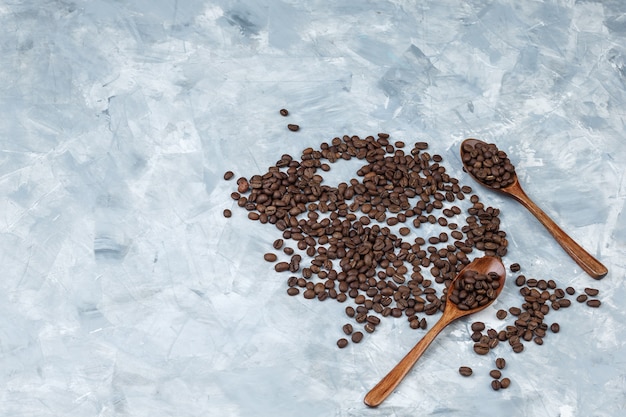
{"type": "Point", "coordinates": [495, 374]}
{"type": "Point", "coordinates": [520, 280]}
{"type": "Point", "coordinates": [505, 383]}
{"type": "Point", "coordinates": [284, 112]}
{"type": "Point", "coordinates": [496, 385]}
{"type": "Point", "coordinates": [228, 175]}
{"type": "Point", "coordinates": [270, 257]}
{"type": "Point", "coordinates": [500, 363]}
{"type": "Point", "coordinates": [227, 213]}
{"type": "Point", "coordinates": [594, 303]}
{"type": "Point", "coordinates": [342, 343]}
{"type": "Point", "coordinates": [478, 326]}
{"type": "Point", "coordinates": [481, 348]}
{"type": "Point", "coordinates": [465, 370]}
{"type": "Point", "coordinates": [570, 290]}
{"type": "Point", "coordinates": [515, 267]}
{"type": "Point", "coordinates": [347, 329]}
{"type": "Point", "coordinates": [242, 185]}
{"type": "Point", "coordinates": [554, 327]}
{"type": "Point", "coordinates": [501, 314]}
{"type": "Point", "coordinates": [281, 266]}
{"type": "Point", "coordinates": [581, 298]}
{"type": "Point", "coordinates": [293, 127]}
{"type": "Point", "coordinates": [592, 292]}
{"type": "Point", "coordinates": [293, 291]}
{"type": "Point", "coordinates": [357, 337]}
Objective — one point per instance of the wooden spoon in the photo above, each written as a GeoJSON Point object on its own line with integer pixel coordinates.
{"type": "Point", "coordinates": [451, 312]}
{"type": "Point", "coordinates": [587, 262]}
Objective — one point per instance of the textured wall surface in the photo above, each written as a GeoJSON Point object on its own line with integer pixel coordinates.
{"type": "Point", "coordinates": [124, 290]}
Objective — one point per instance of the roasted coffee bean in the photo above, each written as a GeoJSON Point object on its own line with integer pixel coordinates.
{"type": "Point", "coordinates": [281, 266]}
{"type": "Point", "coordinates": [278, 243]}
{"type": "Point", "coordinates": [594, 303]}
{"type": "Point", "coordinates": [288, 251]}
{"type": "Point", "coordinates": [357, 337]}
{"type": "Point", "coordinates": [369, 327]}
{"type": "Point", "coordinates": [293, 291]}
{"type": "Point", "coordinates": [520, 280]}
{"type": "Point", "coordinates": [347, 329]}
{"type": "Point", "coordinates": [554, 327]}
{"type": "Point", "coordinates": [465, 370]}
{"type": "Point", "coordinates": [227, 213]}
{"type": "Point", "coordinates": [350, 312]}
{"type": "Point", "coordinates": [481, 348]}
{"type": "Point", "coordinates": [592, 292]}
{"type": "Point", "coordinates": [505, 383]}
{"type": "Point", "coordinates": [478, 326]}
{"type": "Point", "coordinates": [538, 340]}
{"type": "Point", "coordinates": [284, 112]}
{"type": "Point", "coordinates": [515, 267]}
{"type": "Point", "coordinates": [243, 185]}
{"type": "Point", "coordinates": [570, 290]}
{"type": "Point", "coordinates": [342, 343]}
{"type": "Point", "coordinates": [488, 164]}
{"type": "Point", "coordinates": [501, 314]}
{"type": "Point", "coordinates": [518, 347]}
{"type": "Point", "coordinates": [293, 127]}
{"type": "Point", "coordinates": [495, 374]}
{"type": "Point", "coordinates": [270, 257]}
{"type": "Point", "coordinates": [581, 298]}
{"type": "Point", "coordinates": [500, 363]}
{"type": "Point", "coordinates": [496, 385]}
{"type": "Point", "coordinates": [476, 336]}
{"type": "Point", "coordinates": [515, 311]}
{"type": "Point", "coordinates": [228, 175]}
{"type": "Point", "coordinates": [309, 294]}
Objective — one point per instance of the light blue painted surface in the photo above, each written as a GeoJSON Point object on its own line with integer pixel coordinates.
{"type": "Point", "coordinates": [125, 292]}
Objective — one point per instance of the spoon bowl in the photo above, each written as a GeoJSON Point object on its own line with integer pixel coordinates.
{"type": "Point", "coordinates": [586, 261]}
{"type": "Point", "coordinates": [452, 311]}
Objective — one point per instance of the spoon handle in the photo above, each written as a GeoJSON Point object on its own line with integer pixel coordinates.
{"type": "Point", "coordinates": [587, 262]}
{"type": "Point", "coordinates": [386, 385]}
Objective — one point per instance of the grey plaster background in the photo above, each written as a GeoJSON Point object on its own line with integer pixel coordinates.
{"type": "Point", "coordinates": [125, 292]}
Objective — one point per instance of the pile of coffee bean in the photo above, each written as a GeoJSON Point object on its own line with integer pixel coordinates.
{"type": "Point", "coordinates": [474, 289]}
{"type": "Point", "coordinates": [488, 164]}
{"type": "Point", "coordinates": [353, 242]}
{"type": "Point", "coordinates": [529, 323]}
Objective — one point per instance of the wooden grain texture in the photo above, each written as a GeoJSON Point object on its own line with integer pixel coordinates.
{"type": "Point", "coordinates": [584, 259]}
{"type": "Point", "coordinates": [451, 312]}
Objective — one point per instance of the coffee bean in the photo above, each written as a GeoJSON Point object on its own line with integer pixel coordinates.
{"type": "Point", "coordinates": [518, 347]}
{"type": "Point", "coordinates": [538, 340]}
{"type": "Point", "coordinates": [342, 343]}
{"type": "Point", "coordinates": [350, 311]}
{"type": "Point", "coordinates": [347, 329]}
{"type": "Point", "coordinates": [515, 311]}
{"type": "Point", "coordinates": [357, 337]}
{"type": "Point", "coordinates": [481, 348]}
{"type": "Point", "coordinates": [500, 363]}
{"type": "Point", "coordinates": [465, 370]}
{"type": "Point", "coordinates": [495, 374]}
{"type": "Point", "coordinates": [227, 213]}
{"type": "Point", "coordinates": [288, 251]}
{"type": "Point", "coordinates": [594, 303]}
{"type": "Point", "coordinates": [369, 327]}
{"type": "Point", "coordinates": [270, 257]}
{"type": "Point", "coordinates": [592, 292]}
{"type": "Point", "coordinates": [515, 267]}
{"type": "Point", "coordinates": [293, 291]}
{"type": "Point", "coordinates": [554, 327]}
{"type": "Point", "coordinates": [520, 280]}
{"type": "Point", "coordinates": [488, 164]}
{"type": "Point", "coordinates": [505, 383]}
{"type": "Point", "coordinates": [228, 175]}
{"type": "Point", "coordinates": [581, 298]}
{"type": "Point", "coordinates": [278, 243]}
{"type": "Point", "coordinates": [284, 112]}
{"type": "Point", "coordinates": [570, 290]}
{"type": "Point", "coordinates": [281, 266]}
{"type": "Point", "coordinates": [501, 314]}
{"type": "Point", "coordinates": [243, 185]}
{"type": "Point", "coordinates": [478, 326]}
{"type": "Point", "coordinates": [293, 127]}
{"type": "Point", "coordinates": [496, 385]}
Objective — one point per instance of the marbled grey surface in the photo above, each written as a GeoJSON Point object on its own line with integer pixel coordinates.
{"type": "Point", "coordinates": [124, 290]}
